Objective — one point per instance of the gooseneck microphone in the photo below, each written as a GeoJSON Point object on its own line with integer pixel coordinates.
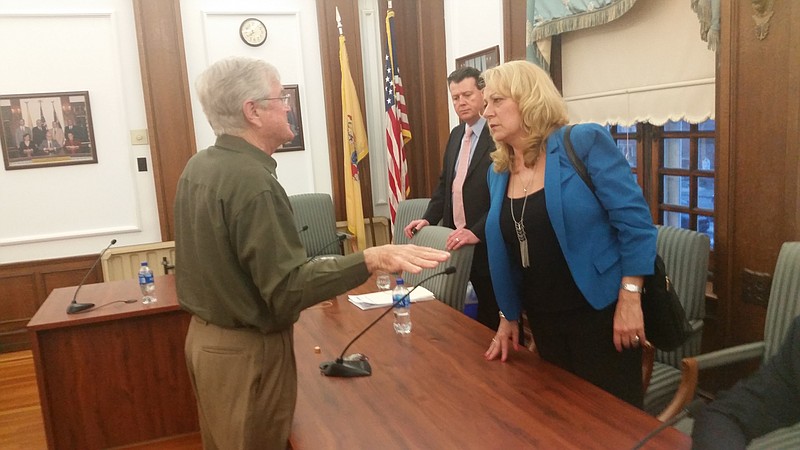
{"type": "Point", "coordinates": [690, 410]}
{"type": "Point", "coordinates": [339, 239]}
{"type": "Point", "coordinates": [361, 368]}
{"type": "Point", "coordinates": [74, 306]}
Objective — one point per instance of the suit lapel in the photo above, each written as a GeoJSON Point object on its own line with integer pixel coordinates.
{"type": "Point", "coordinates": [452, 155]}
{"type": "Point", "coordinates": [552, 184]}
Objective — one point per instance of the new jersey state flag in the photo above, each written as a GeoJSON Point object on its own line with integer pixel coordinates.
{"type": "Point", "coordinates": [355, 148]}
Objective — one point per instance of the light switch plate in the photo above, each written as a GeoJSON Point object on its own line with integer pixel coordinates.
{"type": "Point", "coordinates": [139, 137]}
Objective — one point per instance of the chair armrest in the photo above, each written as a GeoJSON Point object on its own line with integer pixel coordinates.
{"type": "Point", "coordinates": [690, 368]}
{"type": "Point", "coordinates": [730, 355]}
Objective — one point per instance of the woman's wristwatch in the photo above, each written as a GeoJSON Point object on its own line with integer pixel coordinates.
{"type": "Point", "coordinates": [630, 287]}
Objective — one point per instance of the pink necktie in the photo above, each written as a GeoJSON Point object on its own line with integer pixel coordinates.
{"type": "Point", "coordinates": [459, 218]}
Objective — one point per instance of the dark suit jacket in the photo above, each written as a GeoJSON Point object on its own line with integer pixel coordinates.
{"type": "Point", "coordinates": [38, 135]}
{"type": "Point", "coordinates": [476, 191]}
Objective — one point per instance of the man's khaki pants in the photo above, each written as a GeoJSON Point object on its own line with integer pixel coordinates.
{"type": "Point", "coordinates": [245, 383]}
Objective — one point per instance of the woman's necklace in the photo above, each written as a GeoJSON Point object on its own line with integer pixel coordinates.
{"type": "Point", "coordinates": [519, 226]}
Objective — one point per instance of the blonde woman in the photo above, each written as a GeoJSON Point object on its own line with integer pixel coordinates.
{"type": "Point", "coordinates": [573, 260]}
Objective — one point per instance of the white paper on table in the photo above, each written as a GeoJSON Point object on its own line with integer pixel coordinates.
{"type": "Point", "coordinates": [384, 298]}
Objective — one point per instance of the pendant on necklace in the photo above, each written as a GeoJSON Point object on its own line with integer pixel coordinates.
{"type": "Point", "coordinates": [519, 227]}
{"type": "Point", "coordinates": [523, 243]}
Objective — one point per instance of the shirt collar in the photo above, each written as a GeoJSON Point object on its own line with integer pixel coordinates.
{"type": "Point", "coordinates": [239, 145]}
{"type": "Point", "coordinates": [477, 129]}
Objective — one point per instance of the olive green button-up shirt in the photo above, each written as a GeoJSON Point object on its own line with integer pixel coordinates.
{"type": "Point", "coordinates": [239, 259]}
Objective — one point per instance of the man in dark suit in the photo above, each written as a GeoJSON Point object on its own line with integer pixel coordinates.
{"type": "Point", "coordinates": [39, 132]}
{"type": "Point", "coordinates": [461, 200]}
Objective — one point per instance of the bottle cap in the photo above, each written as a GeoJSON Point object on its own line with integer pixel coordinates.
{"type": "Point", "coordinates": [400, 281]}
{"type": "Point", "coordinates": [144, 263]}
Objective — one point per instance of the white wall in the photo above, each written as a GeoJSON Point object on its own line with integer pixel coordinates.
{"type": "Point", "coordinates": [465, 35]}
{"type": "Point", "coordinates": [50, 212]}
{"type": "Point", "coordinates": [74, 210]}
{"type": "Point", "coordinates": [211, 33]}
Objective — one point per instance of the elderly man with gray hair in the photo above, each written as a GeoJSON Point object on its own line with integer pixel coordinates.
{"type": "Point", "coordinates": [243, 272]}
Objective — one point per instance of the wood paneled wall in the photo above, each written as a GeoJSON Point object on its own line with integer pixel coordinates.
{"type": "Point", "coordinates": [166, 97]}
{"type": "Point", "coordinates": [419, 34]}
{"type": "Point", "coordinates": [514, 19]}
{"type": "Point", "coordinates": [758, 125]}
{"type": "Point", "coordinates": [24, 287]}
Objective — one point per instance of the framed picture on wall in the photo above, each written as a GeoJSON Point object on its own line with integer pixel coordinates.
{"type": "Point", "coordinates": [295, 119]}
{"type": "Point", "coordinates": [482, 60]}
{"type": "Point", "coordinates": [45, 130]}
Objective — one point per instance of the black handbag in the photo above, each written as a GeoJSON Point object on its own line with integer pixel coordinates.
{"type": "Point", "coordinates": [665, 322]}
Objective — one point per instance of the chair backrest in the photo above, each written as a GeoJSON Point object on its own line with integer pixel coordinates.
{"type": "Point", "coordinates": [784, 298]}
{"type": "Point", "coordinates": [685, 254]}
{"type": "Point", "coordinates": [316, 212]}
{"type": "Point", "coordinates": [450, 289]}
{"type": "Point", "coordinates": [407, 210]}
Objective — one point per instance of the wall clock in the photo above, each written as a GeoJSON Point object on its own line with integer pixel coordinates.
{"type": "Point", "coordinates": [253, 32]}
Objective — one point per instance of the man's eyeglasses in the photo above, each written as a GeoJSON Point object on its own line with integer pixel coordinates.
{"type": "Point", "coordinates": [283, 98]}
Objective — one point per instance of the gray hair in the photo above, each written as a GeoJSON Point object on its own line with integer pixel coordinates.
{"type": "Point", "coordinates": [227, 84]}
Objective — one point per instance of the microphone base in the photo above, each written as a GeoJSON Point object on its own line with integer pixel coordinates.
{"type": "Point", "coordinates": [75, 308]}
{"type": "Point", "coordinates": [346, 369]}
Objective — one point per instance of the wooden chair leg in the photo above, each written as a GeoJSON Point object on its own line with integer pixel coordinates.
{"type": "Point", "coordinates": [648, 359]}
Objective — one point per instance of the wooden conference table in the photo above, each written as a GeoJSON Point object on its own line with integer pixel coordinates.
{"type": "Point", "coordinates": [115, 374]}
{"type": "Point", "coordinates": [434, 389]}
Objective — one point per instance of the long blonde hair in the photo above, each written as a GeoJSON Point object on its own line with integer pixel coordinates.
{"type": "Point", "coordinates": [540, 104]}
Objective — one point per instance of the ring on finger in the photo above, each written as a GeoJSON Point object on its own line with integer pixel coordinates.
{"type": "Point", "coordinates": [458, 240]}
{"type": "Point", "coordinates": [494, 340]}
{"type": "Point", "coordinates": [636, 339]}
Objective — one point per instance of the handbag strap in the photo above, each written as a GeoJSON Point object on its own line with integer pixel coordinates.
{"type": "Point", "coordinates": [577, 164]}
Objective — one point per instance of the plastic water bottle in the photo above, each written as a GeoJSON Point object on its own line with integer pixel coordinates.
{"type": "Point", "coordinates": [471, 302]}
{"type": "Point", "coordinates": [402, 308]}
{"type": "Point", "coordinates": [146, 284]}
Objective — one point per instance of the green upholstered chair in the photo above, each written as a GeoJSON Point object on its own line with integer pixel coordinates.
{"type": "Point", "coordinates": [450, 289]}
{"type": "Point", "coordinates": [788, 438]}
{"type": "Point", "coordinates": [685, 254]}
{"type": "Point", "coordinates": [315, 211]}
{"type": "Point", "coordinates": [407, 210]}
{"type": "Point", "coordinates": [783, 307]}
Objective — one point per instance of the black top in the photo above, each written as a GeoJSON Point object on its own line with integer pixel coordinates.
{"type": "Point", "coordinates": [547, 285]}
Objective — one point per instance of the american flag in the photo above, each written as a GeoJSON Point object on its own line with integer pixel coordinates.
{"type": "Point", "coordinates": [398, 132]}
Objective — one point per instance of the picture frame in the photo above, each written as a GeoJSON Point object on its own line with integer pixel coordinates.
{"type": "Point", "coordinates": [295, 120]}
{"type": "Point", "coordinates": [58, 126]}
{"type": "Point", "coordinates": [482, 60]}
